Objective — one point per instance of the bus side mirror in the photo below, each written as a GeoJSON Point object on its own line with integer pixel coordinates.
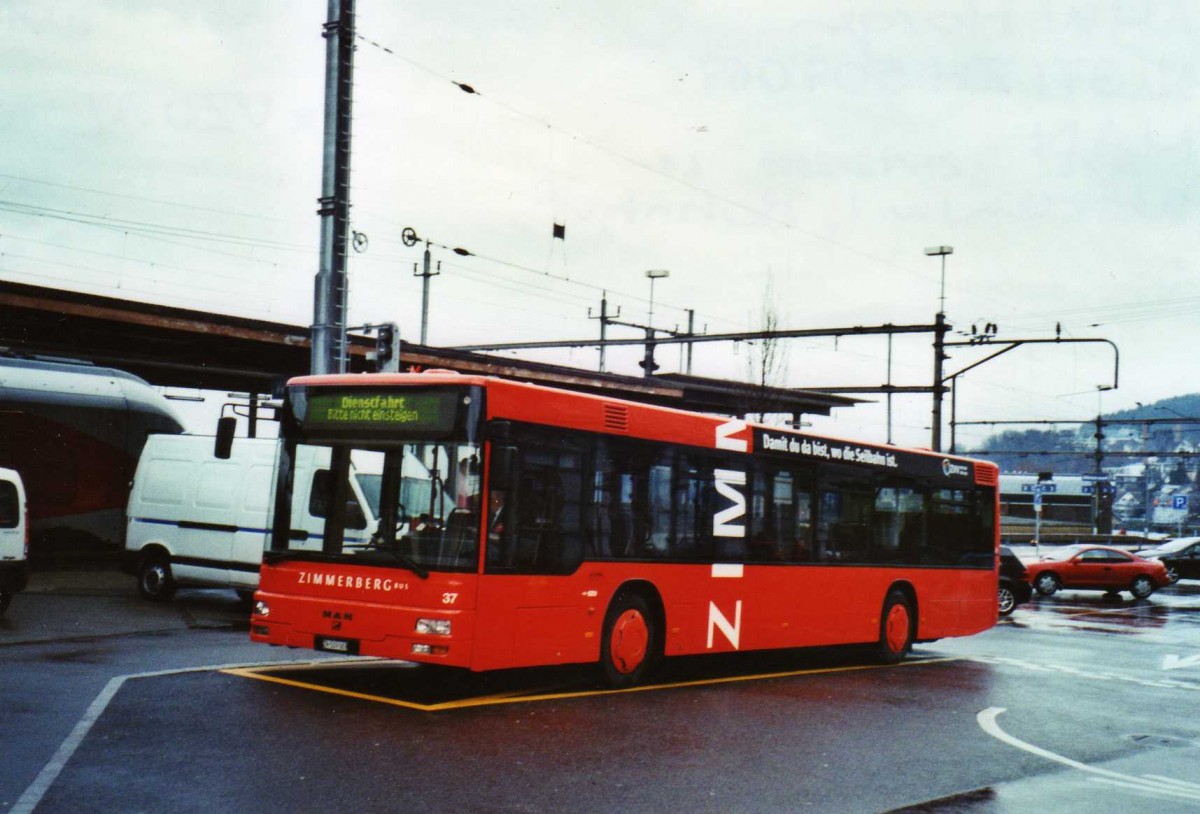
{"type": "Point", "coordinates": [504, 467]}
{"type": "Point", "coordinates": [223, 447]}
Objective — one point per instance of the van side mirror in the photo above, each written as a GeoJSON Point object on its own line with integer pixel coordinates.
{"type": "Point", "coordinates": [226, 427]}
{"type": "Point", "coordinates": [503, 467]}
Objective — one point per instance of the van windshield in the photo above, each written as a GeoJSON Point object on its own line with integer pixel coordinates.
{"type": "Point", "coordinates": [423, 500]}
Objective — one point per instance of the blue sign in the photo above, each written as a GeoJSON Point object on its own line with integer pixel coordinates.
{"type": "Point", "coordinates": [1039, 488]}
{"type": "Point", "coordinates": [1178, 501]}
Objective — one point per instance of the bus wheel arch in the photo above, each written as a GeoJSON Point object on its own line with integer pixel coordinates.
{"type": "Point", "coordinates": [155, 581]}
{"type": "Point", "coordinates": [897, 623]}
{"type": "Point", "coordinates": [631, 640]}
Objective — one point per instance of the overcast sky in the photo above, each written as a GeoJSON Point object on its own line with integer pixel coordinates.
{"type": "Point", "coordinates": [801, 154]}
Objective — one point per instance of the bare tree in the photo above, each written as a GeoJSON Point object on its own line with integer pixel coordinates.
{"type": "Point", "coordinates": [767, 359]}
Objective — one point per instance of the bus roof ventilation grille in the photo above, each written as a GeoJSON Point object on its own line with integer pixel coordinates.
{"type": "Point", "coordinates": [986, 476]}
{"type": "Point", "coordinates": [616, 417]}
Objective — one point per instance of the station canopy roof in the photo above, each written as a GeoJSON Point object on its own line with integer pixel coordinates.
{"type": "Point", "coordinates": [180, 347]}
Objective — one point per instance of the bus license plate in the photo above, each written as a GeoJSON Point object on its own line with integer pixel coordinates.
{"type": "Point", "coordinates": [347, 647]}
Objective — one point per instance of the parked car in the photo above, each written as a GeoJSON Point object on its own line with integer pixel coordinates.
{"type": "Point", "coordinates": [1097, 568]}
{"type": "Point", "coordinates": [1182, 557]}
{"type": "Point", "coordinates": [1014, 588]}
{"type": "Point", "coordinates": [14, 537]}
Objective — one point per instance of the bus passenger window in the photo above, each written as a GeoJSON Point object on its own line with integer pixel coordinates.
{"type": "Point", "coordinates": [540, 526]}
{"type": "Point", "coordinates": [898, 526]}
{"type": "Point", "coordinates": [844, 522]}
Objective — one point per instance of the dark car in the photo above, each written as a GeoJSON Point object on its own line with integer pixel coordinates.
{"type": "Point", "coordinates": [1014, 589]}
{"type": "Point", "coordinates": [1182, 557]}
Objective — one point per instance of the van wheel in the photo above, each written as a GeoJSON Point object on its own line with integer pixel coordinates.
{"type": "Point", "coordinates": [154, 579]}
{"type": "Point", "coordinates": [5, 599]}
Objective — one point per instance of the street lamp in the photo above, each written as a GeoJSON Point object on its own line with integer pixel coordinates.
{"type": "Point", "coordinates": [939, 352]}
{"type": "Point", "coordinates": [654, 274]}
{"type": "Point", "coordinates": [942, 251]}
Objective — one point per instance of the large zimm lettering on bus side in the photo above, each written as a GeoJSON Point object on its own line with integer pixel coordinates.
{"type": "Point", "coordinates": [729, 522]}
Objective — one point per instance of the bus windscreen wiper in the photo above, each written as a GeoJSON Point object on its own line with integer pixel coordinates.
{"type": "Point", "coordinates": [392, 549]}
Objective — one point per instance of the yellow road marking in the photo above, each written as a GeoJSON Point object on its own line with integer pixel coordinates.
{"type": "Point", "coordinates": [262, 674]}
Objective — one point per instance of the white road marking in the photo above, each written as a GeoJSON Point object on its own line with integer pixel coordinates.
{"type": "Point", "coordinates": [1174, 662]}
{"type": "Point", "coordinates": [1095, 675]}
{"type": "Point", "coordinates": [1148, 783]}
{"type": "Point", "coordinates": [50, 772]}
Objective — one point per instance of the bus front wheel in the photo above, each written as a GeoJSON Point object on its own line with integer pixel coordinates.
{"type": "Point", "coordinates": [626, 646]}
{"type": "Point", "coordinates": [895, 628]}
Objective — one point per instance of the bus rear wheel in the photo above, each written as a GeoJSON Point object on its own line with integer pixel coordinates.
{"type": "Point", "coordinates": [895, 628]}
{"type": "Point", "coordinates": [627, 643]}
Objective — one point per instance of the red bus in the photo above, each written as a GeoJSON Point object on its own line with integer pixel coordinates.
{"type": "Point", "coordinates": [522, 525]}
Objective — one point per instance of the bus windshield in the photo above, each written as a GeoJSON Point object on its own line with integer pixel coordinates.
{"type": "Point", "coordinates": [415, 460]}
{"type": "Point", "coordinates": [425, 496]}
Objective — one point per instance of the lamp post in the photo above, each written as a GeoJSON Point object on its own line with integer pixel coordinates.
{"type": "Point", "coordinates": [941, 251]}
{"type": "Point", "coordinates": [939, 351]}
{"type": "Point", "coordinates": [648, 364]}
{"type": "Point", "coordinates": [654, 274]}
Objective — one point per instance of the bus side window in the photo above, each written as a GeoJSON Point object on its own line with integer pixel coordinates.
{"type": "Point", "coordinates": [898, 525]}
{"type": "Point", "coordinates": [693, 500]}
{"type": "Point", "coordinates": [784, 534]}
{"type": "Point", "coordinates": [547, 512]}
{"type": "Point", "coordinates": [950, 530]}
{"type": "Point", "coordinates": [844, 522]}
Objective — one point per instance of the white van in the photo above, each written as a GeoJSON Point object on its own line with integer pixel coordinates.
{"type": "Point", "coordinates": [14, 537]}
{"type": "Point", "coordinates": [195, 519]}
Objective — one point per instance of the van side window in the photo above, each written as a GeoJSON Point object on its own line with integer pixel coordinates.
{"type": "Point", "coordinates": [10, 508]}
{"type": "Point", "coordinates": [318, 501]}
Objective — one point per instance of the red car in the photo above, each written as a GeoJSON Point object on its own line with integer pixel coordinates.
{"type": "Point", "coordinates": [1097, 568]}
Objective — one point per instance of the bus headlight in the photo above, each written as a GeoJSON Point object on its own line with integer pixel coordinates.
{"type": "Point", "coordinates": [261, 608]}
{"type": "Point", "coordinates": [433, 627]}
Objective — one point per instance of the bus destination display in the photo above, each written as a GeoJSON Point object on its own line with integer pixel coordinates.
{"type": "Point", "coordinates": [365, 409]}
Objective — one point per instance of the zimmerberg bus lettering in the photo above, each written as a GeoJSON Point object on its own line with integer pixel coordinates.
{"type": "Point", "coordinates": [718, 621]}
{"type": "Point", "coordinates": [728, 482]}
{"type": "Point", "coordinates": [380, 584]}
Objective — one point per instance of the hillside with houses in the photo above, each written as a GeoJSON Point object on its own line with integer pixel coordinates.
{"type": "Point", "coordinates": [1149, 457]}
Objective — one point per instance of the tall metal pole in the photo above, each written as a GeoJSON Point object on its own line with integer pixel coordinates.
{"type": "Point", "coordinates": [603, 326]}
{"type": "Point", "coordinates": [939, 388]}
{"type": "Point", "coordinates": [691, 330]}
{"type": "Point", "coordinates": [425, 274]}
{"type": "Point", "coordinates": [329, 296]}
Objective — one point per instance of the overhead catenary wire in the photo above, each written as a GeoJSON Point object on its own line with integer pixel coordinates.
{"type": "Point", "coordinates": [765, 216]}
